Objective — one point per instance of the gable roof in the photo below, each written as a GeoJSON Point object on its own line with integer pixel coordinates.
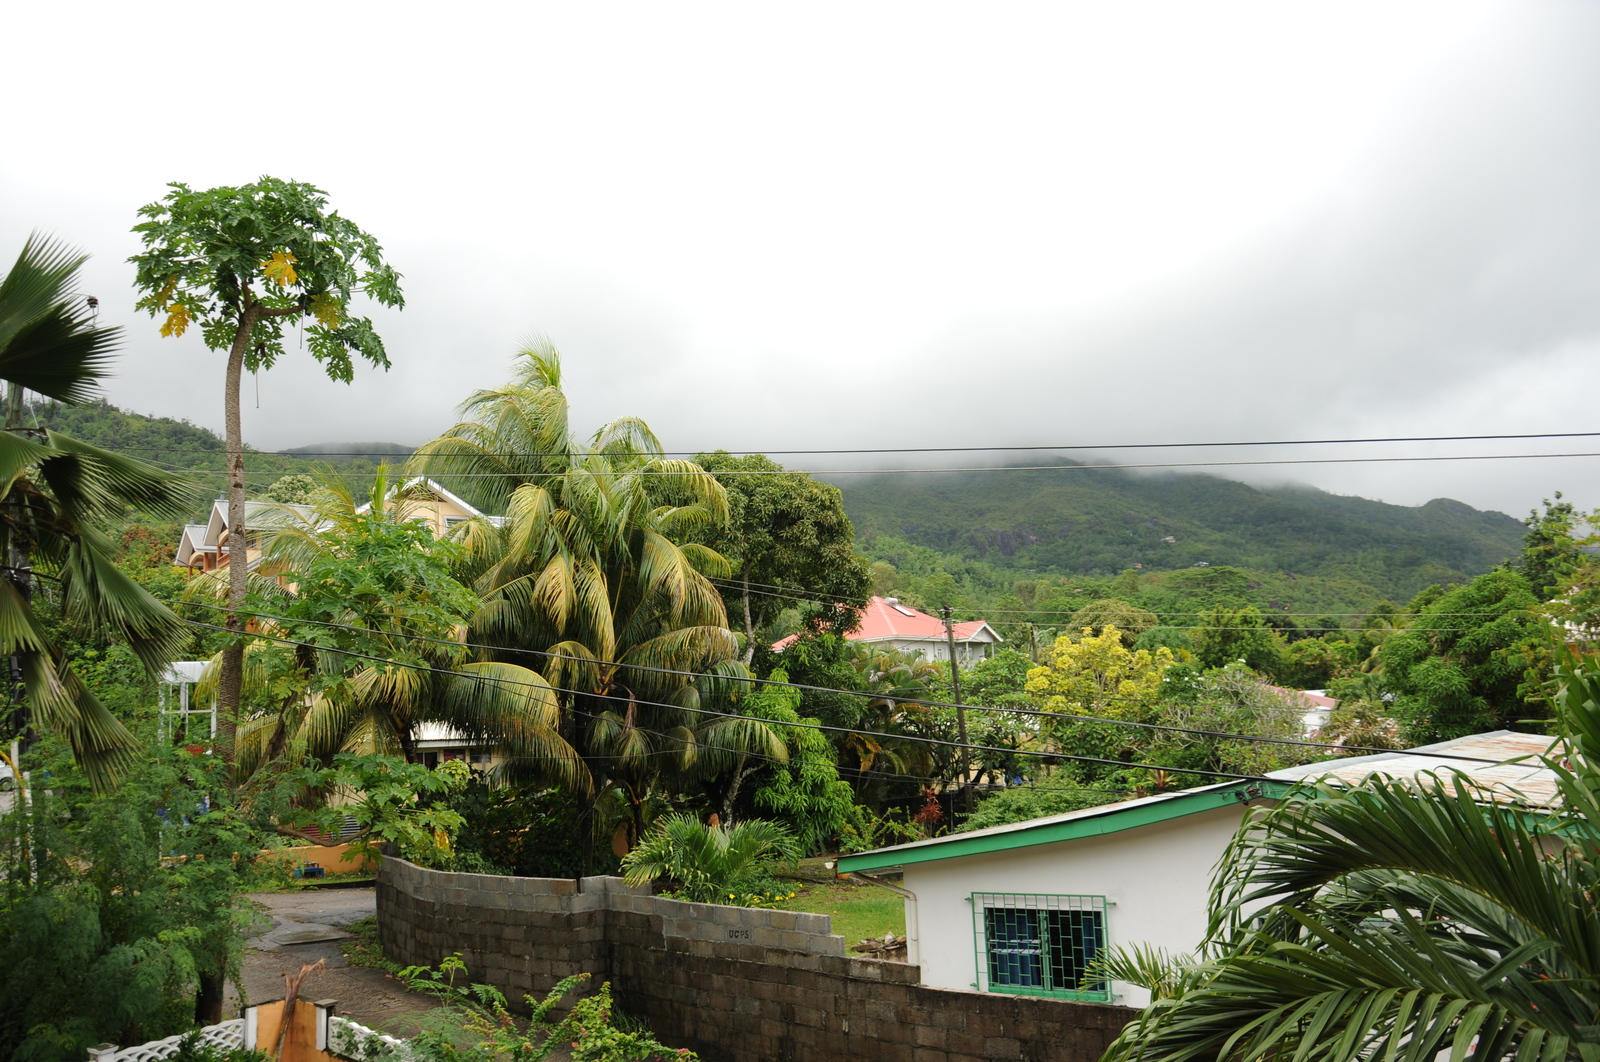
{"type": "Point", "coordinates": [1068, 826]}
{"type": "Point", "coordinates": [442, 494]}
{"type": "Point", "coordinates": [192, 541]}
{"type": "Point", "coordinates": [257, 516]}
{"type": "Point", "coordinates": [887, 619]}
{"type": "Point", "coordinates": [1481, 757]}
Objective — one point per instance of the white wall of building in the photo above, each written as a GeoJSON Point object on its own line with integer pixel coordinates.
{"type": "Point", "coordinates": [1158, 877]}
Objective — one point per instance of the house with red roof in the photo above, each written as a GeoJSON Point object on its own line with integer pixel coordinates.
{"type": "Point", "coordinates": [887, 621]}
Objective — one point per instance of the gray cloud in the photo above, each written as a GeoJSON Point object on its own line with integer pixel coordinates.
{"type": "Point", "coordinates": [758, 269]}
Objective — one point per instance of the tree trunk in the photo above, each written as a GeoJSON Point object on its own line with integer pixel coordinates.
{"type": "Point", "coordinates": [749, 624]}
{"type": "Point", "coordinates": [230, 681]}
{"type": "Point", "coordinates": [208, 999]}
{"type": "Point", "coordinates": [733, 792]}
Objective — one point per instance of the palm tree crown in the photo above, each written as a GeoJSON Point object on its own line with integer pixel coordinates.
{"type": "Point", "coordinates": [60, 499]}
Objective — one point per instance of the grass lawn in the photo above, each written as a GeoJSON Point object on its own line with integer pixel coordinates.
{"type": "Point", "coordinates": [859, 909]}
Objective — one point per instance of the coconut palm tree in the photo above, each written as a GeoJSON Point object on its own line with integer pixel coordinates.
{"type": "Point", "coordinates": [594, 579]}
{"type": "Point", "coordinates": [60, 499]}
{"type": "Point", "coordinates": [1397, 920]}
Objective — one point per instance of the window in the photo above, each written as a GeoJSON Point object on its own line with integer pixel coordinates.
{"type": "Point", "coordinates": [1039, 945]}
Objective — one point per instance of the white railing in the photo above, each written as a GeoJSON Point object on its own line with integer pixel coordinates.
{"type": "Point", "coordinates": [225, 1036]}
{"type": "Point", "coordinates": [338, 1036]}
{"type": "Point", "coordinates": [349, 1039]}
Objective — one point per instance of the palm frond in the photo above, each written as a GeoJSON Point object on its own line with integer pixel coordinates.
{"type": "Point", "coordinates": [49, 342]}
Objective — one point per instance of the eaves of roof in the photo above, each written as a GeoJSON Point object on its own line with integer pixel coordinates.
{"type": "Point", "coordinates": [1088, 822]}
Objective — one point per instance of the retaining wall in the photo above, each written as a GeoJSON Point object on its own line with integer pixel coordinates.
{"type": "Point", "coordinates": [735, 984]}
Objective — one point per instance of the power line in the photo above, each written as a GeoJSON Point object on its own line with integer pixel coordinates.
{"type": "Point", "coordinates": [808, 596]}
{"type": "Point", "coordinates": [865, 694]}
{"type": "Point", "coordinates": [1075, 467]}
{"type": "Point", "coordinates": [912, 449]}
{"type": "Point", "coordinates": [1229, 775]}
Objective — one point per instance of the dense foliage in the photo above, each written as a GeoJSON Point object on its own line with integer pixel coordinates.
{"type": "Point", "coordinates": [118, 908]}
{"type": "Point", "coordinates": [1402, 919]}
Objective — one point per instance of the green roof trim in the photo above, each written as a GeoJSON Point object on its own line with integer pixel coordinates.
{"type": "Point", "coordinates": [1114, 819]}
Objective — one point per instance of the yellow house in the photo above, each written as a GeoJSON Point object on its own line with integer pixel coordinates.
{"type": "Point", "coordinates": [206, 547]}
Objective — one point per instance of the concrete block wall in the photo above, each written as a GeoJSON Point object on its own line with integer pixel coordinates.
{"type": "Point", "coordinates": [732, 983]}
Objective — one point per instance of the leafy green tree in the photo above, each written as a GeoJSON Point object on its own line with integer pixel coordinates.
{"type": "Point", "coordinates": [120, 912]}
{"type": "Point", "coordinates": [385, 809]}
{"type": "Point", "coordinates": [61, 500]}
{"type": "Point", "coordinates": [785, 531]}
{"type": "Point", "coordinates": [1130, 620]}
{"type": "Point", "coordinates": [1231, 700]}
{"type": "Point", "coordinates": [295, 489]}
{"type": "Point", "coordinates": [1228, 634]}
{"type": "Point", "coordinates": [708, 864]}
{"type": "Point", "coordinates": [806, 793]}
{"type": "Point", "coordinates": [241, 264]}
{"type": "Point", "coordinates": [1173, 638]}
{"type": "Point", "coordinates": [1457, 670]}
{"type": "Point", "coordinates": [1550, 549]}
{"type": "Point", "coordinates": [1402, 919]}
{"type": "Point", "coordinates": [374, 611]}
{"type": "Point", "coordinates": [1312, 663]}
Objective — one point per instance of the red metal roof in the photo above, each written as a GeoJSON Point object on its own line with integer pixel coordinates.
{"type": "Point", "coordinates": [885, 618]}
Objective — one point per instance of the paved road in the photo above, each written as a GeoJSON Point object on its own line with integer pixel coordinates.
{"type": "Point", "coordinates": [301, 927]}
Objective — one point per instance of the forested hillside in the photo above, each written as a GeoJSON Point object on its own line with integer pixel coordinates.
{"type": "Point", "coordinates": [179, 444]}
{"type": "Point", "coordinates": [969, 539]}
{"type": "Point", "coordinates": [1299, 548]}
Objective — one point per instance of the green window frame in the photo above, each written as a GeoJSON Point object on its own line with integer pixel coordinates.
{"type": "Point", "coordinates": [1031, 944]}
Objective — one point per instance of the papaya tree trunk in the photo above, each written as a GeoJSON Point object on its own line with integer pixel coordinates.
{"type": "Point", "coordinates": [230, 680]}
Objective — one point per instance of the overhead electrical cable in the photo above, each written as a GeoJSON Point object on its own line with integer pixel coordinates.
{"type": "Point", "coordinates": [1063, 756]}
{"type": "Point", "coordinates": [621, 473]}
{"type": "Point", "coordinates": [1026, 448]}
{"type": "Point", "coordinates": [865, 694]}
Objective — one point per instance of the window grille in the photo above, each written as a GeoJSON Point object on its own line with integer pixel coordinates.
{"type": "Point", "coordinates": [1037, 945]}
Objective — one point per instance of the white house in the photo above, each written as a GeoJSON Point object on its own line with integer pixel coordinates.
{"type": "Point", "coordinates": [1024, 908]}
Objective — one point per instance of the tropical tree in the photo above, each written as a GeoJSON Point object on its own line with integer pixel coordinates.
{"type": "Point", "coordinates": [785, 533]}
{"type": "Point", "coordinates": [1459, 667]}
{"type": "Point", "coordinates": [597, 578]}
{"type": "Point", "coordinates": [708, 864]}
{"type": "Point", "coordinates": [1097, 675]}
{"type": "Point", "coordinates": [894, 681]}
{"type": "Point", "coordinates": [1228, 635]}
{"type": "Point", "coordinates": [60, 499]}
{"type": "Point", "coordinates": [806, 792]}
{"type": "Point", "coordinates": [242, 264]}
{"type": "Point", "coordinates": [1130, 620]}
{"type": "Point", "coordinates": [1401, 919]}
{"type": "Point", "coordinates": [510, 435]}
{"type": "Point", "coordinates": [368, 619]}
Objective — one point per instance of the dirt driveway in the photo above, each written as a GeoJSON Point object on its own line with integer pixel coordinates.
{"type": "Point", "coordinates": [307, 926]}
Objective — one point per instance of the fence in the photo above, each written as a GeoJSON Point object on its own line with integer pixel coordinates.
{"type": "Point", "coordinates": [732, 983]}
{"type": "Point", "coordinates": [333, 1036]}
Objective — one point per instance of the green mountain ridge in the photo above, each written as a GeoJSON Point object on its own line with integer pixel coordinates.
{"type": "Point", "coordinates": [179, 444]}
{"type": "Point", "coordinates": [1283, 548]}
{"type": "Point", "coordinates": [1098, 522]}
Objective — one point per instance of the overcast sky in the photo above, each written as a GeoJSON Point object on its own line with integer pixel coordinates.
{"type": "Point", "coordinates": [836, 225]}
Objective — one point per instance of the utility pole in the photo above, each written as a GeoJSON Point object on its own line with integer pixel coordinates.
{"type": "Point", "coordinates": [961, 713]}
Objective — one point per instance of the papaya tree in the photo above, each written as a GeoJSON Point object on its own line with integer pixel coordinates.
{"type": "Point", "coordinates": [243, 264]}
